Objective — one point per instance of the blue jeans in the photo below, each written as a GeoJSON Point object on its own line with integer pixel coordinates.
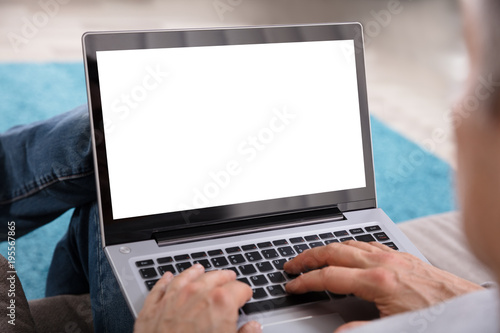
{"type": "Point", "coordinates": [46, 168]}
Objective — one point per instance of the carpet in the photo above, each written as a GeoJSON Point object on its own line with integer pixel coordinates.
{"type": "Point", "coordinates": [411, 182]}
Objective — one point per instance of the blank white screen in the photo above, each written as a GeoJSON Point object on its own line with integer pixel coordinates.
{"type": "Point", "coordinates": [210, 126]}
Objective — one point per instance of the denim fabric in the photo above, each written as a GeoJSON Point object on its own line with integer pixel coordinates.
{"type": "Point", "coordinates": [46, 168]}
{"type": "Point", "coordinates": [79, 266]}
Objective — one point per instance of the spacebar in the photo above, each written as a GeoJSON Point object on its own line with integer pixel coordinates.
{"type": "Point", "coordinates": [282, 302]}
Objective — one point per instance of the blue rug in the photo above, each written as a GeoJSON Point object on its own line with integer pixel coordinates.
{"type": "Point", "coordinates": [410, 182]}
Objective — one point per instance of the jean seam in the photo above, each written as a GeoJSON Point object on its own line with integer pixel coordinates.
{"type": "Point", "coordinates": [44, 186]}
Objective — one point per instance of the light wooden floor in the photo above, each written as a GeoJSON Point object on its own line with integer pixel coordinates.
{"type": "Point", "coordinates": [415, 58]}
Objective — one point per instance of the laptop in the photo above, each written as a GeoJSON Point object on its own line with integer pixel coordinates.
{"type": "Point", "coordinates": [236, 148]}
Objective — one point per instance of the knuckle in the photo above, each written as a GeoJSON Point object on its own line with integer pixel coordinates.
{"type": "Point", "coordinates": [220, 297]}
{"type": "Point", "coordinates": [387, 257]}
{"type": "Point", "coordinates": [382, 277]}
{"type": "Point", "coordinates": [192, 288]}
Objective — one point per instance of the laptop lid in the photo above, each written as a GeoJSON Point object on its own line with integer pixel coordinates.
{"type": "Point", "coordinates": [220, 130]}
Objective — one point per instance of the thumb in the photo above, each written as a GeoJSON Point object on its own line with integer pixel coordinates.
{"type": "Point", "coordinates": [351, 325]}
{"type": "Point", "coordinates": [251, 327]}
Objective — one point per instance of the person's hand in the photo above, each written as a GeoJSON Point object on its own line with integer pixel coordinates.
{"type": "Point", "coordinates": [395, 281]}
{"type": "Point", "coordinates": [195, 302]}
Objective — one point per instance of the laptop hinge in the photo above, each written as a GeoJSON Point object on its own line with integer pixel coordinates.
{"type": "Point", "coordinates": [246, 226]}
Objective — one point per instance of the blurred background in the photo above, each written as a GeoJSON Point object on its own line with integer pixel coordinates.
{"type": "Point", "coordinates": [414, 53]}
{"type": "Point", "coordinates": [415, 63]}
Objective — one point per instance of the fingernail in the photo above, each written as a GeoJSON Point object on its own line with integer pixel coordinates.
{"type": "Point", "coordinates": [256, 326]}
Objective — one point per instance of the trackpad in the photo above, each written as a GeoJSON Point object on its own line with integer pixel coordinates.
{"type": "Point", "coordinates": [312, 324]}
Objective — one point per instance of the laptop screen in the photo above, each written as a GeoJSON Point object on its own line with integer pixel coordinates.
{"type": "Point", "coordinates": [198, 127]}
{"type": "Point", "coordinates": [228, 122]}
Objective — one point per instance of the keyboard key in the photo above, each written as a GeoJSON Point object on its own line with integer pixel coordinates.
{"type": "Point", "coordinates": [312, 238]}
{"type": "Point", "coordinates": [151, 283]}
{"type": "Point", "coordinates": [278, 264]}
{"type": "Point", "coordinates": [381, 236]}
{"type": "Point", "coordinates": [198, 255]}
{"type": "Point", "coordinates": [301, 248]}
{"type": "Point", "coordinates": [164, 260]}
{"type": "Point", "coordinates": [345, 239]}
{"type": "Point", "coordinates": [182, 257]}
{"type": "Point", "coordinates": [365, 238]}
{"type": "Point", "coordinates": [215, 253]}
{"type": "Point", "coordinates": [258, 280]}
{"type": "Point", "coordinates": [249, 247]}
{"type": "Point", "coordinates": [276, 290]}
{"type": "Point", "coordinates": [264, 245]}
{"type": "Point", "coordinates": [233, 249]}
{"type": "Point", "coordinates": [148, 273]}
{"type": "Point", "coordinates": [341, 233]}
{"type": "Point", "coordinates": [270, 254]}
{"type": "Point", "coordinates": [356, 231]}
{"type": "Point", "coordinates": [166, 268]}
{"type": "Point", "coordinates": [204, 262]}
{"type": "Point", "coordinates": [326, 235]}
{"type": "Point", "coordinates": [280, 242]}
{"type": "Point", "coordinates": [316, 244]}
{"type": "Point", "coordinates": [296, 240]}
{"type": "Point", "coordinates": [259, 293]}
{"type": "Point", "coordinates": [286, 251]}
{"type": "Point", "coordinates": [291, 276]}
{"type": "Point", "coordinates": [253, 256]}
{"type": "Point", "coordinates": [276, 277]}
{"type": "Point", "coordinates": [236, 259]}
{"type": "Point", "coordinates": [392, 246]}
{"type": "Point", "coordinates": [282, 302]}
{"type": "Point", "coordinates": [143, 263]}
{"type": "Point", "coordinates": [247, 269]}
{"type": "Point", "coordinates": [244, 280]}
{"type": "Point", "coordinates": [372, 228]}
{"type": "Point", "coordinates": [232, 269]}
{"type": "Point", "coordinates": [220, 262]}
{"type": "Point", "coordinates": [264, 266]}
{"type": "Point", "coordinates": [183, 266]}
{"type": "Point", "coordinates": [331, 241]}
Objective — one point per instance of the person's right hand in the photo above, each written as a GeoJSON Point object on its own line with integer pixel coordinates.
{"type": "Point", "coordinates": [395, 281]}
{"type": "Point", "coordinates": [195, 301]}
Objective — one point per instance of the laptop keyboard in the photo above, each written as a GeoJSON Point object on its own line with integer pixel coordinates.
{"type": "Point", "coordinates": [260, 265]}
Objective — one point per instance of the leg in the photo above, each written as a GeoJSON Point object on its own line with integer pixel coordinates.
{"type": "Point", "coordinates": [80, 266]}
{"type": "Point", "coordinates": [46, 169]}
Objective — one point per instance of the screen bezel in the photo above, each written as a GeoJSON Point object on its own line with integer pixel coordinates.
{"type": "Point", "coordinates": [142, 228]}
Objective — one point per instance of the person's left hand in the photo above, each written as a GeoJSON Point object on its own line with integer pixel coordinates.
{"type": "Point", "coordinates": [195, 302]}
{"type": "Point", "coordinates": [395, 281]}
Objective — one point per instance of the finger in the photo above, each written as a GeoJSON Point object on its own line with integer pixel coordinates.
{"type": "Point", "coordinates": [217, 278]}
{"type": "Point", "coordinates": [240, 293]}
{"type": "Point", "coordinates": [251, 327]}
{"type": "Point", "coordinates": [382, 247]}
{"type": "Point", "coordinates": [187, 276]}
{"type": "Point", "coordinates": [339, 280]}
{"type": "Point", "coordinates": [158, 291]}
{"type": "Point", "coordinates": [368, 247]}
{"type": "Point", "coordinates": [351, 325]}
{"type": "Point", "coordinates": [335, 254]}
